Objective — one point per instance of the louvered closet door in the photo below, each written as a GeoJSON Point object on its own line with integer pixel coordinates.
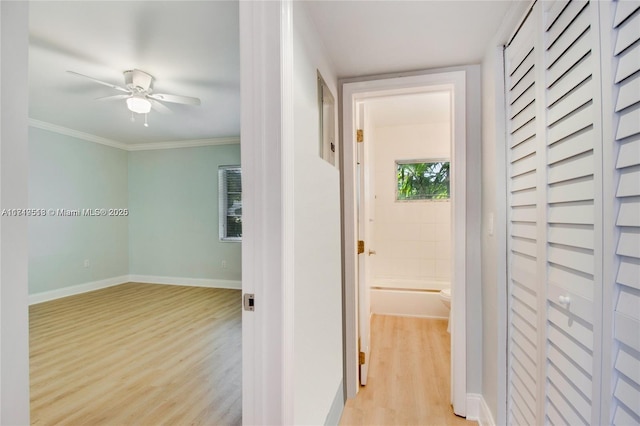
{"type": "Point", "coordinates": [574, 225]}
{"type": "Point", "coordinates": [625, 408]}
{"type": "Point", "coordinates": [523, 199]}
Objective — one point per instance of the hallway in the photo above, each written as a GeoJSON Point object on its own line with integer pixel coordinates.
{"type": "Point", "coordinates": [409, 375]}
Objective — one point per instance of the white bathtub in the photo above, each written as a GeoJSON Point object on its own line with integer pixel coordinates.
{"type": "Point", "coordinates": [415, 298]}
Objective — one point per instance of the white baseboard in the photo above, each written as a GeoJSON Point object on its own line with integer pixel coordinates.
{"type": "Point", "coordinates": [478, 410]}
{"type": "Point", "coordinates": [76, 289]}
{"type": "Point", "coordinates": [147, 279]}
{"type": "Point", "coordinates": [335, 412]}
{"type": "Point", "coordinates": [189, 282]}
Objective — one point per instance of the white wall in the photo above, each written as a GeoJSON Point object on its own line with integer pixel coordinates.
{"type": "Point", "coordinates": [412, 239]}
{"type": "Point", "coordinates": [318, 280]}
{"type": "Point", "coordinates": [14, 330]}
{"type": "Point", "coordinates": [494, 300]}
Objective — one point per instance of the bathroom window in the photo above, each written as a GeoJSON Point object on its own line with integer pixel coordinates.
{"type": "Point", "coordinates": [230, 203]}
{"type": "Point", "coordinates": [418, 180]}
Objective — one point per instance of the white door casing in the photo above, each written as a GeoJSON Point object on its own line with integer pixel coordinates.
{"type": "Point", "coordinates": [454, 82]}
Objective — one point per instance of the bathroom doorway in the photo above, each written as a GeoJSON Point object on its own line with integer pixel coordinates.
{"type": "Point", "coordinates": [360, 102]}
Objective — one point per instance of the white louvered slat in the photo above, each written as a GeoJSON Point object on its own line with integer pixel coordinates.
{"type": "Point", "coordinates": [578, 97]}
{"type": "Point", "coordinates": [622, 417]}
{"type": "Point", "coordinates": [626, 330]}
{"type": "Point", "coordinates": [523, 198]}
{"type": "Point", "coordinates": [581, 305]}
{"type": "Point", "coordinates": [573, 190]}
{"type": "Point", "coordinates": [567, 346]}
{"type": "Point", "coordinates": [554, 11]}
{"type": "Point", "coordinates": [565, 321]}
{"type": "Point", "coordinates": [575, 121]}
{"type": "Point", "coordinates": [624, 9]}
{"type": "Point", "coordinates": [564, 19]}
{"type": "Point", "coordinates": [558, 399]}
{"type": "Point", "coordinates": [553, 416]}
{"type": "Point", "coordinates": [524, 149]}
{"type": "Point", "coordinates": [629, 185]}
{"type": "Point", "coordinates": [628, 34]}
{"type": "Point", "coordinates": [629, 243]}
{"type": "Point", "coordinates": [575, 145]}
{"type": "Point", "coordinates": [629, 123]}
{"type": "Point", "coordinates": [523, 165]}
{"type": "Point", "coordinates": [569, 257]}
{"type": "Point", "coordinates": [569, 280]}
{"type": "Point", "coordinates": [525, 181]}
{"type": "Point", "coordinates": [579, 377]}
{"type": "Point", "coordinates": [571, 213]}
{"type": "Point", "coordinates": [523, 69]}
{"type": "Point", "coordinates": [580, 404]}
{"type": "Point", "coordinates": [576, 75]}
{"type": "Point", "coordinates": [628, 395]}
{"type": "Point", "coordinates": [628, 364]}
{"type": "Point", "coordinates": [572, 168]}
{"type": "Point", "coordinates": [629, 213]}
{"type": "Point", "coordinates": [579, 50]}
{"type": "Point", "coordinates": [629, 154]}
{"type": "Point", "coordinates": [527, 97]}
{"type": "Point", "coordinates": [524, 214]}
{"type": "Point", "coordinates": [521, 247]}
{"type": "Point", "coordinates": [572, 235]}
{"type": "Point", "coordinates": [629, 93]}
{"type": "Point", "coordinates": [575, 28]}
{"type": "Point", "coordinates": [628, 63]}
{"type": "Point", "coordinates": [629, 272]}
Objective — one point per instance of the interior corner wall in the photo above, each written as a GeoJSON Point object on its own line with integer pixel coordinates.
{"type": "Point", "coordinates": [14, 159]}
{"type": "Point", "coordinates": [66, 176]}
{"type": "Point", "coordinates": [317, 238]}
{"type": "Point", "coordinates": [173, 221]}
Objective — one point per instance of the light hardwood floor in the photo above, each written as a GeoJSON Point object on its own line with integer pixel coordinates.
{"type": "Point", "coordinates": [137, 354]}
{"type": "Point", "coordinates": [408, 381]}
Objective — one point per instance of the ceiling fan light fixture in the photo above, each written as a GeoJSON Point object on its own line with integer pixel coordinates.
{"type": "Point", "coordinates": [139, 104]}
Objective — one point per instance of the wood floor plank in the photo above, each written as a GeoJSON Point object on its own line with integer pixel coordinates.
{"type": "Point", "coordinates": [408, 381]}
{"type": "Point", "coordinates": [137, 354]}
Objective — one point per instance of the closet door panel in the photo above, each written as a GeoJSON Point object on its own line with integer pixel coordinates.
{"type": "Point", "coordinates": [573, 180]}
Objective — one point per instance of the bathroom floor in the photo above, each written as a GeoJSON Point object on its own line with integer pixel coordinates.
{"type": "Point", "coordinates": [408, 381]}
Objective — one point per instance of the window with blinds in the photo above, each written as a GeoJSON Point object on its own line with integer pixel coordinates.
{"type": "Point", "coordinates": [230, 203]}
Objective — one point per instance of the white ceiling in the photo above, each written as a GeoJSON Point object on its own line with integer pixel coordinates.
{"type": "Point", "coordinates": [192, 49]}
{"type": "Point", "coordinates": [366, 37]}
{"type": "Point", "coordinates": [415, 108]}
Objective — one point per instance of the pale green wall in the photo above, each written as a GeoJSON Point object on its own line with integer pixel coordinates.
{"type": "Point", "coordinates": [68, 173]}
{"type": "Point", "coordinates": [173, 226]}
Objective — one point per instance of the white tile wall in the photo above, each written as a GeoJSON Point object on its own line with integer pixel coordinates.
{"type": "Point", "coordinates": [412, 239]}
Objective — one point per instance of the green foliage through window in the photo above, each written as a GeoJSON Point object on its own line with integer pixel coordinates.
{"type": "Point", "coordinates": [423, 181]}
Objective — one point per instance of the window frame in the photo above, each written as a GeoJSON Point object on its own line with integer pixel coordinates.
{"type": "Point", "coordinates": [223, 197]}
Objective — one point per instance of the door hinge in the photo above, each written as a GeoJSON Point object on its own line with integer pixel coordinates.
{"type": "Point", "coordinates": [360, 246]}
{"type": "Point", "coordinates": [248, 302]}
{"type": "Point", "coordinates": [359, 135]}
{"type": "Point", "coordinates": [361, 358]}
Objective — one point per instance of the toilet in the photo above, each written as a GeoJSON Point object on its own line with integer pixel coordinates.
{"type": "Point", "coordinates": [445, 297]}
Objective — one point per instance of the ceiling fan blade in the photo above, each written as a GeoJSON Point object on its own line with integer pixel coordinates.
{"type": "Point", "coordinates": [104, 83]}
{"type": "Point", "coordinates": [112, 98]}
{"type": "Point", "coordinates": [175, 99]}
{"type": "Point", "coordinates": [157, 106]}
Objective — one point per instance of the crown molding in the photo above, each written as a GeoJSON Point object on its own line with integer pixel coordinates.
{"type": "Point", "coordinates": [183, 144]}
{"type": "Point", "coordinates": [132, 147]}
{"type": "Point", "coordinates": [76, 134]}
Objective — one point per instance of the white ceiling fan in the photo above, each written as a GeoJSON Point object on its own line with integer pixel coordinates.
{"type": "Point", "coordinates": [139, 94]}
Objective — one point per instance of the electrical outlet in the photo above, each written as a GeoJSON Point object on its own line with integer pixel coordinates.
{"type": "Point", "coordinates": [224, 264]}
{"type": "Point", "coordinates": [86, 263]}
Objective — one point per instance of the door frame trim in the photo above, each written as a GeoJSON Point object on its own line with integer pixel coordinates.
{"type": "Point", "coordinates": [358, 90]}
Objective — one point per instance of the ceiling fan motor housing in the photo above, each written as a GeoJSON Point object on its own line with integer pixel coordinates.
{"type": "Point", "coordinates": [138, 81]}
